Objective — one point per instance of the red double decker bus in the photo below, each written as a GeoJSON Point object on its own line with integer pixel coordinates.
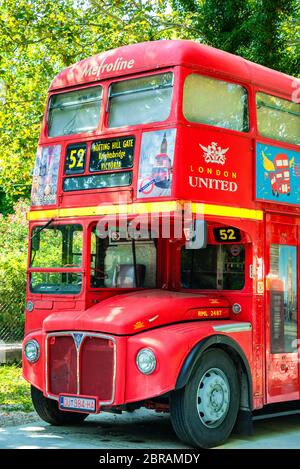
{"type": "Point", "coordinates": [163, 265]}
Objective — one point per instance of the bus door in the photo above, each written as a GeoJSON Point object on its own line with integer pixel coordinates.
{"type": "Point", "coordinates": [282, 333]}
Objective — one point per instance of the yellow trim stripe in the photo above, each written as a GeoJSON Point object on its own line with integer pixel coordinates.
{"type": "Point", "coordinates": [128, 209]}
{"type": "Point", "coordinates": [224, 211]}
{"type": "Point", "coordinates": [147, 207]}
{"type": "Point", "coordinates": [42, 214]}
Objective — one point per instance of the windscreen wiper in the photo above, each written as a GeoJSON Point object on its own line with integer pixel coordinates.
{"type": "Point", "coordinates": [42, 228]}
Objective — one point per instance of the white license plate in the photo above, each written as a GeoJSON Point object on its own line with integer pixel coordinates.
{"type": "Point", "coordinates": [78, 403]}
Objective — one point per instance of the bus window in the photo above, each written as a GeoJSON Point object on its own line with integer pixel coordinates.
{"type": "Point", "coordinates": [74, 112]}
{"type": "Point", "coordinates": [278, 118]}
{"type": "Point", "coordinates": [283, 298]}
{"type": "Point", "coordinates": [55, 283]}
{"type": "Point", "coordinates": [140, 100]}
{"type": "Point", "coordinates": [114, 265]}
{"type": "Point", "coordinates": [97, 181]}
{"type": "Point", "coordinates": [217, 267]}
{"type": "Point", "coordinates": [57, 246]}
{"type": "Point", "coordinates": [215, 102]}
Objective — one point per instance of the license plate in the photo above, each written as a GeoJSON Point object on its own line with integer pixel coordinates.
{"type": "Point", "coordinates": [78, 403]}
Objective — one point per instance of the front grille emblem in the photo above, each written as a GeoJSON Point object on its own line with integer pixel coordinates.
{"type": "Point", "coordinates": [78, 339]}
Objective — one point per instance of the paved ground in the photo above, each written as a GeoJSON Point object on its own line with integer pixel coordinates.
{"type": "Point", "coordinates": [142, 429]}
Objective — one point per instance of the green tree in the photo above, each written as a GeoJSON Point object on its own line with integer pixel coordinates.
{"type": "Point", "coordinates": [265, 31]}
{"type": "Point", "coordinates": [13, 259]}
{"type": "Point", "coordinates": [38, 38]}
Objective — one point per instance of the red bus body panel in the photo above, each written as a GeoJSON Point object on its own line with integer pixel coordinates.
{"type": "Point", "coordinates": [159, 308]}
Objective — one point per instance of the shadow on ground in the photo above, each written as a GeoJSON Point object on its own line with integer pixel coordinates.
{"type": "Point", "coordinates": [142, 429]}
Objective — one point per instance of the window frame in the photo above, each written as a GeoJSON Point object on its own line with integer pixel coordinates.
{"type": "Point", "coordinates": [113, 188]}
{"type": "Point", "coordinates": [81, 135]}
{"type": "Point", "coordinates": [245, 241]}
{"type": "Point", "coordinates": [273, 340]}
{"type": "Point", "coordinates": [88, 142]}
{"type": "Point", "coordinates": [148, 73]}
{"type": "Point", "coordinates": [245, 86]}
{"type": "Point", "coordinates": [62, 243]}
{"type": "Point", "coordinates": [261, 90]}
{"type": "Point", "coordinates": [216, 290]}
{"type": "Point", "coordinates": [70, 270]}
{"type": "Point", "coordinates": [90, 230]}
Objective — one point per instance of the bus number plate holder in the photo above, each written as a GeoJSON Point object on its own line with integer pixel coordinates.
{"type": "Point", "coordinates": [77, 403]}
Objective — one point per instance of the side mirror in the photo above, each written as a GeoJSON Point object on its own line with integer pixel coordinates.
{"type": "Point", "coordinates": [197, 235]}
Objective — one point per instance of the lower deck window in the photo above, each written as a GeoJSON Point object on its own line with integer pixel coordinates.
{"type": "Point", "coordinates": [122, 263]}
{"type": "Point", "coordinates": [56, 246]}
{"type": "Point", "coordinates": [217, 267]}
{"type": "Point", "coordinates": [283, 298]}
{"type": "Point", "coordinates": [55, 283]}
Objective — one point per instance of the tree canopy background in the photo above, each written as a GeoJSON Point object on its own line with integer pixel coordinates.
{"type": "Point", "coordinates": [38, 38]}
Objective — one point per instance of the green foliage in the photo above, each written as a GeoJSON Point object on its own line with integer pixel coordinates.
{"type": "Point", "coordinates": [13, 256]}
{"type": "Point", "coordinates": [14, 391]}
{"type": "Point", "coordinates": [14, 232]}
{"type": "Point", "coordinates": [38, 38]}
{"type": "Point", "coordinates": [264, 31]}
{"type": "Point", "coordinates": [6, 203]}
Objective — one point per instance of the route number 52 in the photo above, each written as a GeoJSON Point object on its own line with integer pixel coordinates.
{"type": "Point", "coordinates": [227, 235]}
{"type": "Point", "coordinates": [75, 159]}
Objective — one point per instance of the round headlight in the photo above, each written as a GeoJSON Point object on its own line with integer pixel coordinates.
{"type": "Point", "coordinates": [32, 351]}
{"type": "Point", "coordinates": [146, 361]}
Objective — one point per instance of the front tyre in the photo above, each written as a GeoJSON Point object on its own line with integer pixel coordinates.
{"type": "Point", "coordinates": [48, 410]}
{"type": "Point", "coordinates": [204, 412]}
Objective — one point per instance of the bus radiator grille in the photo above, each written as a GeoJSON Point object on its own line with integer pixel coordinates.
{"type": "Point", "coordinates": [85, 368]}
{"type": "Point", "coordinates": [97, 368]}
{"type": "Point", "coordinates": [62, 365]}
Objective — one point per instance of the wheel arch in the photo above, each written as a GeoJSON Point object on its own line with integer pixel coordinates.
{"type": "Point", "coordinates": [234, 351]}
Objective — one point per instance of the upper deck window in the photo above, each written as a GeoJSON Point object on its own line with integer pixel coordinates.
{"type": "Point", "coordinates": [74, 112]}
{"type": "Point", "coordinates": [215, 102]}
{"type": "Point", "coordinates": [140, 100]}
{"type": "Point", "coordinates": [278, 118]}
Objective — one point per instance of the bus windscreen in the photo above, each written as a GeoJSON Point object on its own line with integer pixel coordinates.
{"type": "Point", "coordinates": [74, 112]}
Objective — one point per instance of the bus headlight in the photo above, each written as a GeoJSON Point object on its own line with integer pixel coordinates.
{"type": "Point", "coordinates": [32, 351]}
{"type": "Point", "coordinates": [146, 361]}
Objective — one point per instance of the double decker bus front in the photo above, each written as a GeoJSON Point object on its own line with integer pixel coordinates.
{"type": "Point", "coordinates": [84, 174]}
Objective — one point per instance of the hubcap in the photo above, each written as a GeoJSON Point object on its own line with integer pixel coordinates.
{"type": "Point", "coordinates": [213, 397]}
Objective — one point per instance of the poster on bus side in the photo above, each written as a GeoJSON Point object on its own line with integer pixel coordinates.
{"type": "Point", "coordinates": [156, 164]}
{"type": "Point", "coordinates": [277, 174]}
{"type": "Point", "coordinates": [45, 175]}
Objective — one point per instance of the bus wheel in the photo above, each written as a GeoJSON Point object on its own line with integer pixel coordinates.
{"type": "Point", "coordinates": [48, 410]}
{"type": "Point", "coordinates": [204, 412]}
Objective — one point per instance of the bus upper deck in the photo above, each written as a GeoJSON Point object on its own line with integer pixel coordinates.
{"type": "Point", "coordinates": [168, 121]}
